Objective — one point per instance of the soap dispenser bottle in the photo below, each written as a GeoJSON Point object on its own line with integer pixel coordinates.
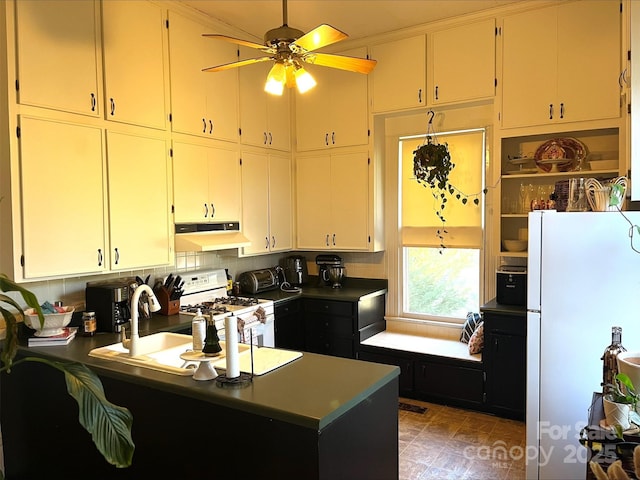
{"type": "Point", "coordinates": [198, 331]}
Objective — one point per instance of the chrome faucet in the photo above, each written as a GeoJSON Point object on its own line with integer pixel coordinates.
{"type": "Point", "coordinates": [154, 306]}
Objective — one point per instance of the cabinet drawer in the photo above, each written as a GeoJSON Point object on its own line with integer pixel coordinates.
{"type": "Point", "coordinates": [288, 308]}
{"type": "Point", "coordinates": [321, 342]}
{"type": "Point", "coordinates": [328, 306]}
{"type": "Point", "coordinates": [333, 325]}
{"type": "Point", "coordinates": [511, 324]}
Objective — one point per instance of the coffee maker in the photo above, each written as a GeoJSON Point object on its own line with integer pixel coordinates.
{"type": "Point", "coordinates": [110, 301]}
{"type": "Point", "coordinates": [325, 263]}
{"type": "Point", "coordinates": [295, 270]}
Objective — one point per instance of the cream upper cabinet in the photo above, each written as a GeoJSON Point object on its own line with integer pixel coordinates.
{"type": "Point", "coordinates": [265, 119]}
{"type": "Point", "coordinates": [206, 183]}
{"type": "Point", "coordinates": [133, 42]}
{"type": "Point", "coordinates": [334, 112]}
{"type": "Point", "coordinates": [63, 222]}
{"type": "Point", "coordinates": [462, 63]}
{"type": "Point", "coordinates": [58, 55]}
{"type": "Point", "coordinates": [399, 79]}
{"type": "Point", "coordinates": [266, 202]}
{"type": "Point", "coordinates": [139, 201]}
{"type": "Point", "coordinates": [333, 202]}
{"type": "Point", "coordinates": [561, 64]}
{"type": "Point", "coordinates": [202, 103]}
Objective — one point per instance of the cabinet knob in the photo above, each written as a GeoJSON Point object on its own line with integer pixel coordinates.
{"type": "Point", "coordinates": [436, 92]}
{"type": "Point", "coordinates": [273, 241]}
{"type": "Point", "coordinates": [419, 95]}
{"type": "Point", "coordinates": [99, 257]}
{"type": "Point", "coordinates": [204, 126]}
{"type": "Point", "coordinates": [113, 106]}
{"type": "Point", "coordinates": [326, 138]}
{"type": "Point", "coordinates": [206, 210]}
{"type": "Point", "coordinates": [93, 102]}
{"type": "Point", "coordinates": [210, 127]}
{"type": "Point", "coordinates": [562, 110]}
{"type": "Point", "coordinates": [266, 243]}
{"type": "Point", "coordinates": [265, 138]}
{"type": "Point", "coordinates": [213, 210]}
{"type": "Point", "coordinates": [551, 111]}
{"type": "Point", "coordinates": [117, 255]}
{"type": "Point", "coordinates": [270, 138]}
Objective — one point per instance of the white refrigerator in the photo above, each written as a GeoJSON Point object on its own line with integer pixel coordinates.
{"type": "Point", "coordinates": [583, 278]}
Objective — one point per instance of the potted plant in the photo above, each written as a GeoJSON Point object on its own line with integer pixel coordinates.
{"type": "Point", "coordinates": [620, 402]}
{"type": "Point", "coordinates": [108, 424]}
{"type": "Point", "coordinates": [432, 166]}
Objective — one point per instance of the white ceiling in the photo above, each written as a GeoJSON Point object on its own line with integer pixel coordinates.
{"type": "Point", "coordinates": [357, 18]}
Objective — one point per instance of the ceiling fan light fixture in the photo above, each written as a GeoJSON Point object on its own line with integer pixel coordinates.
{"type": "Point", "coordinates": [276, 79]}
{"type": "Point", "coordinates": [304, 80]}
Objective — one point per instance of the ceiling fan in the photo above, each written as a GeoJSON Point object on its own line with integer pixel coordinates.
{"type": "Point", "coordinates": [289, 48]}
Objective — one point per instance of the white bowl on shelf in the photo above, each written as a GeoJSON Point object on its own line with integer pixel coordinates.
{"type": "Point", "coordinates": [53, 322]}
{"type": "Point", "coordinates": [603, 164]}
{"type": "Point", "coordinates": [515, 245]}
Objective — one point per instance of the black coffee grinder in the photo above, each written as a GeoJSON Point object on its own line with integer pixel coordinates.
{"type": "Point", "coordinates": [324, 262]}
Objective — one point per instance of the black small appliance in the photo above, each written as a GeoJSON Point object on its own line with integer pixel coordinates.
{"type": "Point", "coordinates": [110, 301]}
{"type": "Point", "coordinates": [324, 262]}
{"type": "Point", "coordinates": [511, 285]}
{"type": "Point", "coordinates": [295, 270]}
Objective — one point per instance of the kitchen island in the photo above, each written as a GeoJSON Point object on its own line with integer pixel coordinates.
{"type": "Point", "coordinates": [319, 417]}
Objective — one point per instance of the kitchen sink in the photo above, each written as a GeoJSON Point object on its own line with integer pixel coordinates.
{"type": "Point", "coordinates": [161, 351]}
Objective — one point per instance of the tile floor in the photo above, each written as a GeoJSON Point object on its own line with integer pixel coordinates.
{"type": "Point", "coordinates": [452, 443]}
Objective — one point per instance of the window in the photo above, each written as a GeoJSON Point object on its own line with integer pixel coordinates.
{"type": "Point", "coordinates": [443, 284]}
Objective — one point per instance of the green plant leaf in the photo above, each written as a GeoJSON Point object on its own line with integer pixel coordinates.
{"type": "Point", "coordinates": [11, 337]}
{"type": "Point", "coordinates": [108, 424]}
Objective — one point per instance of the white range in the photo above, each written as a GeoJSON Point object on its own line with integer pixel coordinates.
{"type": "Point", "coordinates": [207, 290]}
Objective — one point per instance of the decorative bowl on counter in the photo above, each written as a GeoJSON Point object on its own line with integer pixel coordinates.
{"type": "Point", "coordinates": [53, 322]}
{"type": "Point", "coordinates": [515, 245]}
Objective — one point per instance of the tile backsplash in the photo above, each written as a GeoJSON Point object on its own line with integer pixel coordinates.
{"type": "Point", "coordinates": [70, 290]}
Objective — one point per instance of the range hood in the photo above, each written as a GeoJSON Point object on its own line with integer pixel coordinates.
{"type": "Point", "coordinates": [209, 237]}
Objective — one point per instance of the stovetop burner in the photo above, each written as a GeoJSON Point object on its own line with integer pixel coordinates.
{"type": "Point", "coordinates": [206, 308]}
{"type": "Point", "coordinates": [237, 301]}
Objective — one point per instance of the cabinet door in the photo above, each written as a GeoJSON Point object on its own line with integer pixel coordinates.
{"type": "Point", "coordinates": [399, 77]}
{"type": "Point", "coordinates": [313, 113]}
{"type": "Point", "coordinates": [190, 183]}
{"type": "Point", "coordinates": [224, 185]}
{"type": "Point", "coordinates": [289, 326]}
{"type": "Point", "coordinates": [349, 124]}
{"type": "Point", "coordinates": [255, 202]}
{"type": "Point", "coordinates": [529, 65]}
{"type": "Point", "coordinates": [463, 63]}
{"type": "Point", "coordinates": [221, 88]}
{"type": "Point", "coordinates": [140, 232]}
{"type": "Point", "coordinates": [349, 201]}
{"type": "Point", "coordinates": [506, 377]}
{"type": "Point", "coordinates": [280, 203]}
{"type": "Point", "coordinates": [133, 43]}
{"type": "Point", "coordinates": [577, 47]}
{"type": "Point", "coordinates": [202, 103]}
{"type": "Point", "coordinates": [58, 55]}
{"type": "Point", "coordinates": [313, 215]}
{"type": "Point", "coordinates": [63, 225]}
{"type": "Point", "coordinates": [188, 106]}
{"type": "Point", "coordinates": [264, 118]}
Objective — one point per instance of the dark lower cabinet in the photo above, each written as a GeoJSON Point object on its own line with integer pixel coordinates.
{"type": "Point", "coordinates": [433, 378]}
{"type": "Point", "coordinates": [334, 327]}
{"type": "Point", "coordinates": [450, 380]}
{"type": "Point", "coordinates": [405, 364]}
{"type": "Point", "coordinates": [505, 359]}
{"type": "Point", "coordinates": [289, 325]}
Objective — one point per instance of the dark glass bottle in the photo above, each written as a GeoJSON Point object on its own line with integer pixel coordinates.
{"type": "Point", "coordinates": [211, 341]}
{"type": "Point", "coordinates": [610, 358]}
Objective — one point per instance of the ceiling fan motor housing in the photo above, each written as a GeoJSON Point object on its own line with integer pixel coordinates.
{"type": "Point", "coordinates": [282, 35]}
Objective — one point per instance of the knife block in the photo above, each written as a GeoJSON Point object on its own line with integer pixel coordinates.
{"type": "Point", "coordinates": [167, 306]}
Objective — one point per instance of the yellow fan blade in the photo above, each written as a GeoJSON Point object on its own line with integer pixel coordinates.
{"type": "Point", "coordinates": [238, 41]}
{"type": "Point", "coordinates": [228, 66]}
{"type": "Point", "coordinates": [352, 64]}
{"type": "Point", "coordinates": [319, 37]}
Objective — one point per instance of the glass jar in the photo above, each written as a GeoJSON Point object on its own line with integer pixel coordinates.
{"type": "Point", "coordinates": [89, 324]}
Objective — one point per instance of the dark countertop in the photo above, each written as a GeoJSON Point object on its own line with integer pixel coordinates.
{"type": "Point", "coordinates": [353, 290]}
{"type": "Point", "coordinates": [495, 307]}
{"type": "Point", "coordinates": [312, 391]}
